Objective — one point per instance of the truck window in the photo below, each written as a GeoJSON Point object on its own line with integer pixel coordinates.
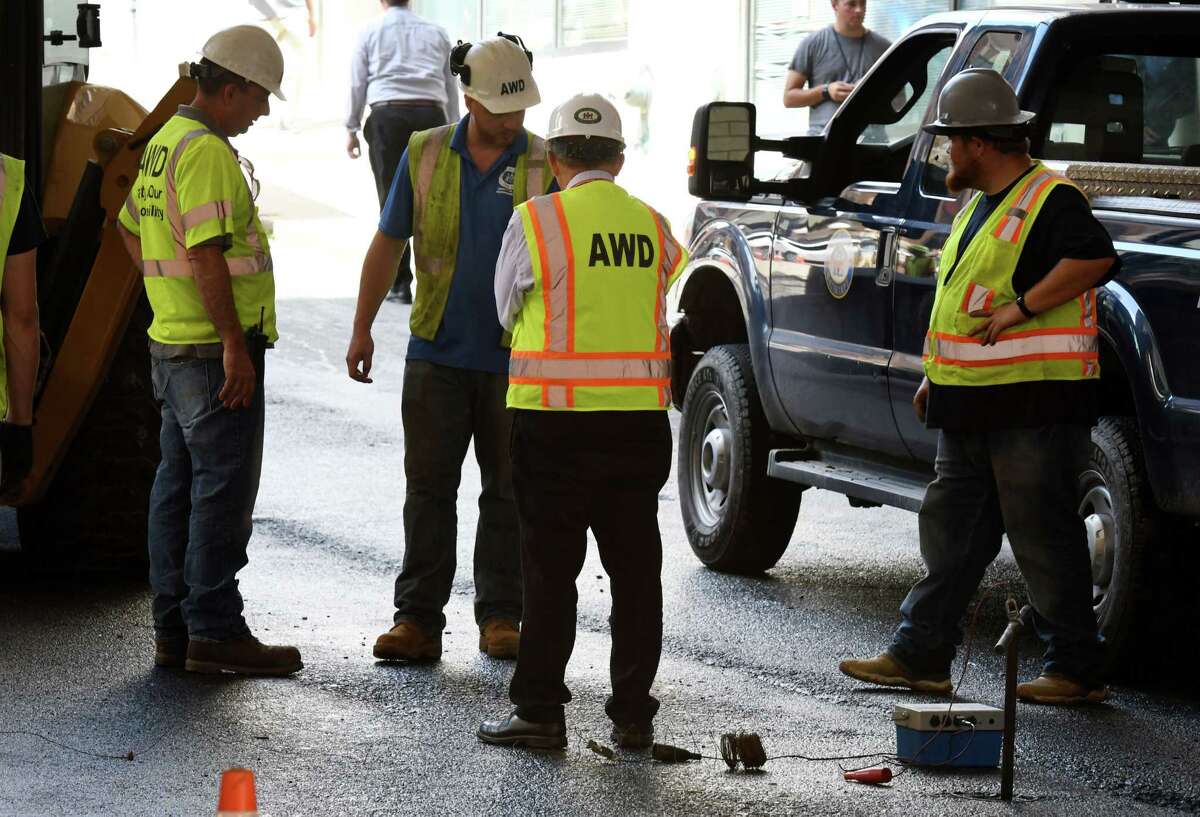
{"type": "Point", "coordinates": [893, 133]}
{"type": "Point", "coordinates": [999, 50]}
{"type": "Point", "coordinates": [1127, 108]}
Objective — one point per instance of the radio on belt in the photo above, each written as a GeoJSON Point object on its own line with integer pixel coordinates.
{"type": "Point", "coordinates": [940, 734]}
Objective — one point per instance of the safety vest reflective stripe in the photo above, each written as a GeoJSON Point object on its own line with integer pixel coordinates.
{"type": "Point", "coordinates": [1043, 344]}
{"type": "Point", "coordinates": [245, 265]}
{"type": "Point", "coordinates": [1013, 222]}
{"type": "Point", "coordinates": [583, 367]}
{"type": "Point", "coordinates": [671, 253]}
{"type": "Point", "coordinates": [558, 262]}
{"type": "Point", "coordinates": [131, 208]}
{"type": "Point", "coordinates": [427, 163]}
{"type": "Point", "coordinates": [209, 211]}
{"type": "Point", "coordinates": [977, 298]}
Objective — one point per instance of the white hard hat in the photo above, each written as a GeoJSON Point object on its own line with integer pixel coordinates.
{"type": "Point", "coordinates": [586, 115]}
{"type": "Point", "coordinates": [251, 53]}
{"type": "Point", "coordinates": [498, 73]}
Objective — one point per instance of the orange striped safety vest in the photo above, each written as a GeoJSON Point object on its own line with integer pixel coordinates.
{"type": "Point", "coordinates": [1059, 344]}
{"type": "Point", "coordinates": [592, 334]}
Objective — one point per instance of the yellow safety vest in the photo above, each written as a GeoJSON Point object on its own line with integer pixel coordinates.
{"type": "Point", "coordinates": [1058, 344]}
{"type": "Point", "coordinates": [12, 188]}
{"type": "Point", "coordinates": [190, 189]}
{"type": "Point", "coordinates": [435, 172]}
{"type": "Point", "coordinates": [592, 333]}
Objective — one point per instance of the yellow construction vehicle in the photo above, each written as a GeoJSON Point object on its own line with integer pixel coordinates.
{"type": "Point", "coordinates": [96, 421]}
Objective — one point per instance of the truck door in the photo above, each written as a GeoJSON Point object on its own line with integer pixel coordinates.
{"type": "Point", "coordinates": [831, 266]}
{"type": "Point", "coordinates": [930, 209]}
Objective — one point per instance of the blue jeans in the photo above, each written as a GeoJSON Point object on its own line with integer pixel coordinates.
{"type": "Point", "coordinates": [202, 500]}
{"type": "Point", "coordinates": [444, 410]}
{"type": "Point", "coordinates": [1023, 481]}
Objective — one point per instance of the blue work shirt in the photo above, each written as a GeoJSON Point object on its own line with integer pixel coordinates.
{"type": "Point", "coordinates": [469, 335]}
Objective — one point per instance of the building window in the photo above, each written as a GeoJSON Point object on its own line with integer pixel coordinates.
{"type": "Point", "coordinates": [544, 25]}
{"type": "Point", "coordinates": [533, 20]}
{"type": "Point", "coordinates": [592, 22]}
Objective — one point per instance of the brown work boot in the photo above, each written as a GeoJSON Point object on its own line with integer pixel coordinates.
{"type": "Point", "coordinates": [500, 638]}
{"type": "Point", "coordinates": [170, 652]}
{"type": "Point", "coordinates": [1059, 690]}
{"type": "Point", "coordinates": [243, 656]}
{"type": "Point", "coordinates": [886, 671]}
{"type": "Point", "coordinates": [407, 642]}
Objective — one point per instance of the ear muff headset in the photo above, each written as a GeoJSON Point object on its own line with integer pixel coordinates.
{"type": "Point", "coordinates": [458, 56]}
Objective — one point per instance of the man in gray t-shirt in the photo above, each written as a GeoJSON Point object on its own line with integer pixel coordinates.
{"type": "Point", "coordinates": [830, 62]}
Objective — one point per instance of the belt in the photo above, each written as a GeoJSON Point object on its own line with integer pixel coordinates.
{"type": "Point", "coordinates": [406, 103]}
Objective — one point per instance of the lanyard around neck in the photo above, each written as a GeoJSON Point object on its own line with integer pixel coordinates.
{"type": "Point", "coordinates": [862, 43]}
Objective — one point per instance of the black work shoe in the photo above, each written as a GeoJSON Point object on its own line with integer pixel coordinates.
{"type": "Point", "coordinates": [242, 656]}
{"type": "Point", "coordinates": [170, 652]}
{"type": "Point", "coordinates": [633, 735]}
{"type": "Point", "coordinates": [516, 731]}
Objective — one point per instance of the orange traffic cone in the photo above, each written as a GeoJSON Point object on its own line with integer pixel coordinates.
{"type": "Point", "coordinates": [237, 794]}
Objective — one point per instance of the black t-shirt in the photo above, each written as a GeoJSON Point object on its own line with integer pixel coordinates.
{"type": "Point", "coordinates": [1064, 228]}
{"type": "Point", "coordinates": [28, 232]}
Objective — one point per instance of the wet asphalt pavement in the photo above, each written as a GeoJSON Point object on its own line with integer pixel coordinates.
{"type": "Point", "coordinates": [351, 736]}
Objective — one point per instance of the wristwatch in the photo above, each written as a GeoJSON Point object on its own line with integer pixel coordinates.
{"type": "Point", "coordinates": [1026, 311]}
{"type": "Point", "coordinates": [825, 93]}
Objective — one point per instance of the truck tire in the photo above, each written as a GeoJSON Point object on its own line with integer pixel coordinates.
{"type": "Point", "coordinates": [1121, 520]}
{"type": "Point", "coordinates": [93, 515]}
{"type": "Point", "coordinates": [738, 520]}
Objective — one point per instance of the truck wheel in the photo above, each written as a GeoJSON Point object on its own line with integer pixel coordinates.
{"type": "Point", "coordinates": [93, 516]}
{"type": "Point", "coordinates": [1120, 518]}
{"type": "Point", "coordinates": [738, 520]}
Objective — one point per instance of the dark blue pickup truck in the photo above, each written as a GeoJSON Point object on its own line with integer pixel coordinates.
{"type": "Point", "coordinates": [808, 294]}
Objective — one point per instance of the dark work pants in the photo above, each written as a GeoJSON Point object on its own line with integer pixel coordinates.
{"type": "Point", "coordinates": [444, 411]}
{"type": "Point", "coordinates": [387, 131]}
{"type": "Point", "coordinates": [573, 471]}
{"type": "Point", "coordinates": [202, 501]}
{"type": "Point", "coordinates": [1023, 481]}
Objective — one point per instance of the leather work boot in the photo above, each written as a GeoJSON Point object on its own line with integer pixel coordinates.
{"type": "Point", "coordinates": [633, 735]}
{"type": "Point", "coordinates": [407, 642]}
{"type": "Point", "coordinates": [516, 731]}
{"type": "Point", "coordinates": [1059, 690]}
{"type": "Point", "coordinates": [500, 638]}
{"type": "Point", "coordinates": [170, 652]}
{"type": "Point", "coordinates": [243, 656]}
{"type": "Point", "coordinates": [886, 671]}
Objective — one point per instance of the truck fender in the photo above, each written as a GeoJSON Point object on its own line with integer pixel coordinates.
{"type": "Point", "coordinates": [721, 260]}
{"type": "Point", "coordinates": [1127, 331]}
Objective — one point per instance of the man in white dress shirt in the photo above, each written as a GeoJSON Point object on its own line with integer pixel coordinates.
{"type": "Point", "coordinates": [401, 69]}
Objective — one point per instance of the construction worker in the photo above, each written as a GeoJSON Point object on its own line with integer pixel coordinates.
{"type": "Point", "coordinates": [582, 282]}
{"type": "Point", "coordinates": [1012, 375]}
{"type": "Point", "coordinates": [453, 194]}
{"type": "Point", "coordinates": [21, 233]}
{"type": "Point", "coordinates": [191, 223]}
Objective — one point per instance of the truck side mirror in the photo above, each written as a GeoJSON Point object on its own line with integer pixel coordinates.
{"type": "Point", "coordinates": [721, 158]}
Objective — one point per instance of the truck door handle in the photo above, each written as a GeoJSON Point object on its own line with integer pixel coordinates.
{"type": "Point", "coordinates": [885, 258]}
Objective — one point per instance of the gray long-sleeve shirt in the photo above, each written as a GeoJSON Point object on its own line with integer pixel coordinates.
{"type": "Point", "coordinates": [401, 56]}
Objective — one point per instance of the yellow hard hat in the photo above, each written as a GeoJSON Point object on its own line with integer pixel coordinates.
{"type": "Point", "coordinates": [251, 53]}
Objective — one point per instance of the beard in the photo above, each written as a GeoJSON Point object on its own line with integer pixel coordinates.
{"type": "Point", "coordinates": [962, 177]}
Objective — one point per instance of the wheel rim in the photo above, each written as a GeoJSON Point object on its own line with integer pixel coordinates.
{"type": "Point", "coordinates": [711, 460]}
{"type": "Point", "coordinates": [1100, 521]}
